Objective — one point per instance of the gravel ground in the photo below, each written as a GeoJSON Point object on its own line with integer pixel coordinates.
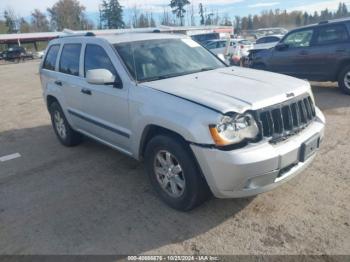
{"type": "Point", "coordinates": [93, 200]}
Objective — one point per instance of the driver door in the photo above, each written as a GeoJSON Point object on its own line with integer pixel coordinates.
{"type": "Point", "coordinates": [105, 107]}
{"type": "Point", "coordinates": [293, 54]}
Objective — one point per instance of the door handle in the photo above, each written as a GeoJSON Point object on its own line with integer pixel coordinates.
{"type": "Point", "coordinates": [86, 91]}
{"type": "Point", "coordinates": [58, 83]}
{"type": "Point", "coordinates": [303, 52]}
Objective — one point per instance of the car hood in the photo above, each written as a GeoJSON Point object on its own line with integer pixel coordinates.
{"type": "Point", "coordinates": [233, 88]}
{"type": "Point", "coordinates": [264, 46]}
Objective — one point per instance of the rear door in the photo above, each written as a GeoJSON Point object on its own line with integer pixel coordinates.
{"type": "Point", "coordinates": [69, 81]}
{"type": "Point", "coordinates": [295, 58]}
{"type": "Point", "coordinates": [331, 46]}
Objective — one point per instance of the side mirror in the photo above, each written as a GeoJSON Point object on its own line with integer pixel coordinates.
{"type": "Point", "coordinates": [100, 77]}
{"type": "Point", "coordinates": [281, 47]}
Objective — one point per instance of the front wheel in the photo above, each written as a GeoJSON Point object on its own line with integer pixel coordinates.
{"type": "Point", "coordinates": [174, 173]}
{"type": "Point", "coordinates": [344, 80]}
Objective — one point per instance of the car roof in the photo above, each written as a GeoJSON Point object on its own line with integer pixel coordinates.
{"type": "Point", "coordinates": [134, 37]}
{"type": "Point", "coordinates": [323, 23]}
{"type": "Point", "coordinates": [119, 38]}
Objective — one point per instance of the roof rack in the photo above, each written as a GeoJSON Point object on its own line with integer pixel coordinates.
{"type": "Point", "coordinates": [70, 33]}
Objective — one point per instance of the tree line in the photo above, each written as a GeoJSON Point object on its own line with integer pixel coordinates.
{"type": "Point", "coordinates": [282, 18]}
{"type": "Point", "coordinates": [71, 14]}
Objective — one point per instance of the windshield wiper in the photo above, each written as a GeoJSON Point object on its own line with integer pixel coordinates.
{"type": "Point", "coordinates": [207, 69]}
{"type": "Point", "coordinates": [177, 74]}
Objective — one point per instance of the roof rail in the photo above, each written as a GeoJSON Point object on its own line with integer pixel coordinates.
{"type": "Point", "coordinates": [70, 33]}
{"type": "Point", "coordinates": [323, 22]}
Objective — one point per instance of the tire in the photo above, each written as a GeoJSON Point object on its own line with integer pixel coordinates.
{"type": "Point", "coordinates": [195, 190]}
{"type": "Point", "coordinates": [343, 84]}
{"type": "Point", "coordinates": [64, 132]}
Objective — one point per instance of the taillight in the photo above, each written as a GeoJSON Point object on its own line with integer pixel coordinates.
{"type": "Point", "coordinates": [242, 46]}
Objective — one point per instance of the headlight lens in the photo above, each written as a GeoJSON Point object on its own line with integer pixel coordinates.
{"type": "Point", "coordinates": [233, 129]}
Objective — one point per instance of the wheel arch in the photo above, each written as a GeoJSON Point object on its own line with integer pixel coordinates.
{"type": "Point", "coordinates": [51, 99]}
{"type": "Point", "coordinates": [340, 67]}
{"type": "Point", "coordinates": [153, 130]}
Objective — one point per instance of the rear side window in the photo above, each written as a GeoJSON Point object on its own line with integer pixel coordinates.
{"type": "Point", "coordinates": [221, 44]}
{"type": "Point", "coordinates": [69, 62]}
{"type": "Point", "coordinates": [272, 39]}
{"type": "Point", "coordinates": [261, 40]}
{"type": "Point", "coordinates": [332, 34]}
{"type": "Point", "coordinates": [51, 58]}
{"type": "Point", "coordinates": [97, 58]}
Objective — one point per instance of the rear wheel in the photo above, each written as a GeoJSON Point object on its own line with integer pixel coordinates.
{"type": "Point", "coordinates": [174, 173]}
{"type": "Point", "coordinates": [64, 132]}
{"type": "Point", "coordinates": [344, 80]}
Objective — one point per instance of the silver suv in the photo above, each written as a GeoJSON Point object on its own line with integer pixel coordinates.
{"type": "Point", "coordinates": [200, 126]}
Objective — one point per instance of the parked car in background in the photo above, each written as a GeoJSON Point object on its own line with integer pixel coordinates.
{"type": "Point", "coordinates": [17, 53]}
{"type": "Point", "coordinates": [267, 42]}
{"type": "Point", "coordinates": [200, 126]}
{"type": "Point", "coordinates": [203, 39]}
{"type": "Point", "coordinates": [318, 52]}
{"type": "Point", "coordinates": [269, 31]}
{"type": "Point", "coordinates": [237, 49]}
{"type": "Point", "coordinates": [40, 54]}
{"type": "Point", "coordinates": [263, 43]}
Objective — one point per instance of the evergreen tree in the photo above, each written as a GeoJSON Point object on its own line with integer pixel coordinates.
{"type": "Point", "coordinates": [111, 14]}
{"type": "Point", "coordinates": [201, 14]}
{"type": "Point", "coordinates": [10, 21]}
{"type": "Point", "coordinates": [24, 26]}
{"type": "Point", "coordinates": [178, 9]}
{"type": "Point", "coordinates": [250, 22]}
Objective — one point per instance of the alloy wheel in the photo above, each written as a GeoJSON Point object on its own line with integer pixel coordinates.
{"type": "Point", "coordinates": [60, 125]}
{"type": "Point", "coordinates": [347, 80]}
{"type": "Point", "coordinates": [169, 174]}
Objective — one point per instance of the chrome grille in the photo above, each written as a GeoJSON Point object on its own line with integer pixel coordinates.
{"type": "Point", "coordinates": [283, 120]}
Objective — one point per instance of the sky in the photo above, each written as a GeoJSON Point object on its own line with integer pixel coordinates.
{"type": "Point", "coordinates": [230, 7]}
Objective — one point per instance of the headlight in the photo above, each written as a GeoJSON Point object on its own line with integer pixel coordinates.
{"type": "Point", "coordinates": [233, 129]}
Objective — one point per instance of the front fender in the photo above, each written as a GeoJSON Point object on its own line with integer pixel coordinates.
{"type": "Point", "coordinates": [152, 107]}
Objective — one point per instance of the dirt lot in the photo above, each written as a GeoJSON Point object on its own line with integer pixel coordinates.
{"type": "Point", "coordinates": [93, 200]}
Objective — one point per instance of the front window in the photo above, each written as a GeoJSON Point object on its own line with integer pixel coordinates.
{"type": "Point", "coordinates": [261, 40]}
{"type": "Point", "coordinates": [97, 58]}
{"type": "Point", "coordinates": [299, 39]}
{"type": "Point", "coordinates": [165, 58]}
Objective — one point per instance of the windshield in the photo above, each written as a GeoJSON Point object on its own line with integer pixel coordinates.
{"type": "Point", "coordinates": [165, 58]}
